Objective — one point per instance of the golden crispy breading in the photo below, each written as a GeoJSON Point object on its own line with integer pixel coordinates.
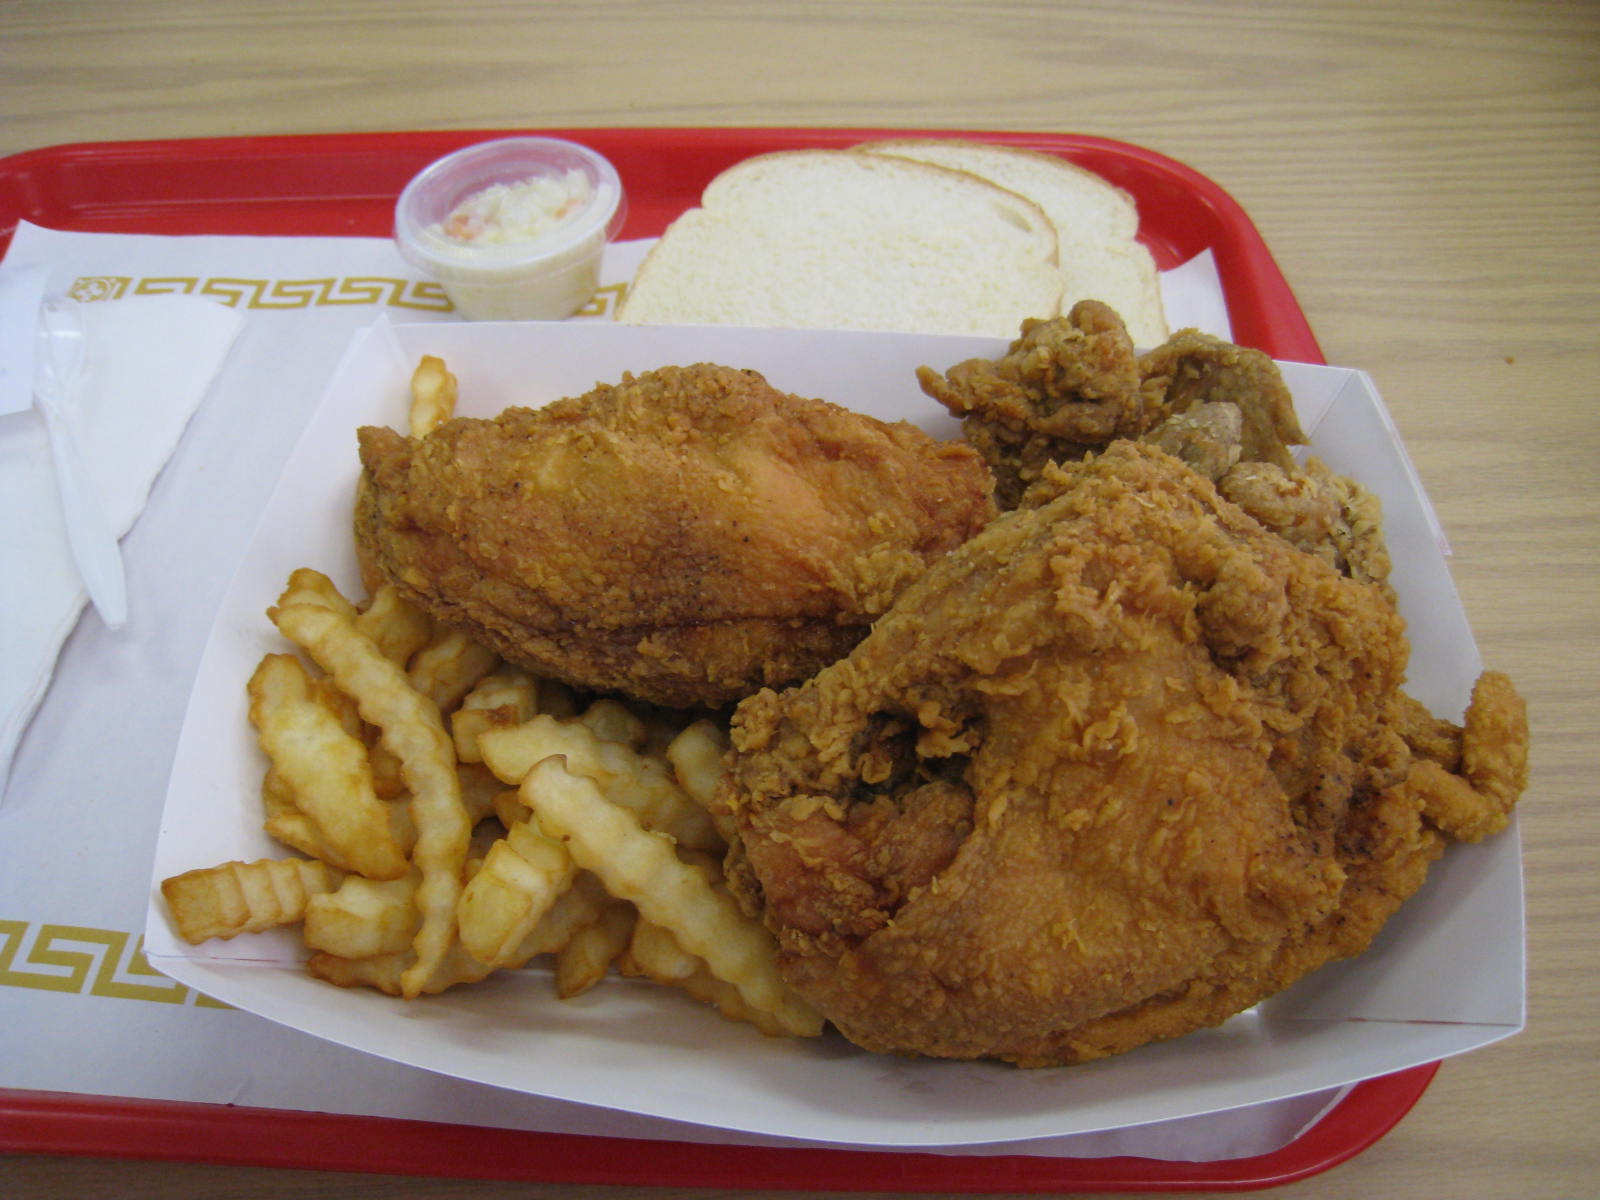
{"type": "Point", "coordinates": [1070, 386]}
{"type": "Point", "coordinates": [1065, 386]}
{"type": "Point", "coordinates": [1119, 767]}
{"type": "Point", "coordinates": [1477, 802]}
{"type": "Point", "coordinates": [1324, 514]}
{"type": "Point", "coordinates": [684, 537]}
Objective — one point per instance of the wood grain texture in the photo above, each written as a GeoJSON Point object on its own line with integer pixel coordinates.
{"type": "Point", "coordinates": [1426, 173]}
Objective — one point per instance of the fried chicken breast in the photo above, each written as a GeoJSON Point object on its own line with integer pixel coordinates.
{"type": "Point", "coordinates": [684, 537]}
{"type": "Point", "coordinates": [1122, 765]}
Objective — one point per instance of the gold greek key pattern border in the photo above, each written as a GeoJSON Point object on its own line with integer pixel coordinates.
{"type": "Point", "coordinates": [85, 961]}
{"type": "Point", "coordinates": [270, 293]}
{"type": "Point", "coordinates": [605, 301]}
{"type": "Point", "coordinates": [289, 294]}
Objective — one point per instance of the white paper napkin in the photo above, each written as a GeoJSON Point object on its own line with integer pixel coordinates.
{"type": "Point", "coordinates": [149, 362]}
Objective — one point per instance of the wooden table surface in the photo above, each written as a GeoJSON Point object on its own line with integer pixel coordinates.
{"type": "Point", "coordinates": [1427, 175]}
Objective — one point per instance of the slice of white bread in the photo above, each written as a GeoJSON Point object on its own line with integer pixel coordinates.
{"type": "Point", "coordinates": [1097, 224]}
{"type": "Point", "coordinates": [851, 240]}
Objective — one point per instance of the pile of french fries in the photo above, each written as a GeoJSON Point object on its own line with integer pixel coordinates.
{"type": "Point", "coordinates": [451, 816]}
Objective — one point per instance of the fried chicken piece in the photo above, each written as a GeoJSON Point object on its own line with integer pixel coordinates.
{"type": "Point", "coordinates": [1193, 368]}
{"type": "Point", "coordinates": [1469, 790]}
{"type": "Point", "coordinates": [1071, 385]}
{"type": "Point", "coordinates": [1324, 514]}
{"type": "Point", "coordinates": [1209, 437]}
{"type": "Point", "coordinates": [1119, 767]}
{"type": "Point", "coordinates": [684, 537]}
{"type": "Point", "coordinates": [1066, 386]}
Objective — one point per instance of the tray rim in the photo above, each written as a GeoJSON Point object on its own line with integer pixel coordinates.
{"type": "Point", "coordinates": [68, 1123]}
{"type": "Point", "coordinates": [59, 1123]}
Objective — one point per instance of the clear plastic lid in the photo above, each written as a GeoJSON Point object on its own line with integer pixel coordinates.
{"type": "Point", "coordinates": [443, 188]}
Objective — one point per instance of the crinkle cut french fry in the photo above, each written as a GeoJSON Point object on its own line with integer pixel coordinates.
{"type": "Point", "coordinates": [486, 887]}
{"type": "Point", "coordinates": [643, 867]}
{"type": "Point", "coordinates": [396, 974]}
{"type": "Point", "coordinates": [448, 667]}
{"type": "Point", "coordinates": [575, 909]}
{"type": "Point", "coordinates": [641, 783]}
{"type": "Point", "coordinates": [657, 955]}
{"type": "Point", "coordinates": [285, 822]}
{"type": "Point", "coordinates": [308, 586]}
{"type": "Point", "coordinates": [388, 780]}
{"type": "Point", "coordinates": [362, 918]}
{"type": "Point", "coordinates": [579, 906]}
{"type": "Point", "coordinates": [414, 730]}
{"type": "Point", "coordinates": [479, 790]}
{"type": "Point", "coordinates": [381, 972]}
{"type": "Point", "coordinates": [520, 879]}
{"type": "Point", "coordinates": [725, 998]}
{"type": "Point", "coordinates": [434, 393]}
{"type": "Point", "coordinates": [323, 768]}
{"type": "Point", "coordinates": [696, 981]}
{"type": "Point", "coordinates": [244, 897]}
{"type": "Point", "coordinates": [505, 697]}
{"type": "Point", "coordinates": [341, 707]}
{"type": "Point", "coordinates": [397, 627]}
{"type": "Point", "coordinates": [613, 721]}
{"type": "Point", "coordinates": [505, 685]}
{"type": "Point", "coordinates": [508, 806]}
{"type": "Point", "coordinates": [589, 953]}
{"type": "Point", "coordinates": [294, 829]}
{"type": "Point", "coordinates": [696, 755]}
{"type": "Point", "coordinates": [485, 838]}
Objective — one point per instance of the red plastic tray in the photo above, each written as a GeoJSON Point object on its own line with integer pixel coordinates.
{"type": "Point", "coordinates": [48, 1123]}
{"type": "Point", "coordinates": [346, 184]}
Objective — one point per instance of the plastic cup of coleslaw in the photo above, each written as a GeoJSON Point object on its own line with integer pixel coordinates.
{"type": "Point", "coordinates": [513, 229]}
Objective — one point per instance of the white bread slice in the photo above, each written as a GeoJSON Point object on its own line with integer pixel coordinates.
{"type": "Point", "coordinates": [850, 240]}
{"type": "Point", "coordinates": [1097, 223]}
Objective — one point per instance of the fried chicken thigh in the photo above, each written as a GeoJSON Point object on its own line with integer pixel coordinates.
{"type": "Point", "coordinates": [1120, 766]}
{"type": "Point", "coordinates": [684, 537]}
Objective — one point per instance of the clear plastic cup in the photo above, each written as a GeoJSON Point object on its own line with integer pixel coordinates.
{"type": "Point", "coordinates": [542, 267]}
